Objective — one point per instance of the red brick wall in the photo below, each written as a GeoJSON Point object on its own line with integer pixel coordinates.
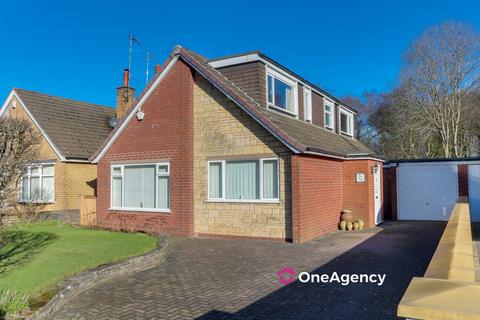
{"type": "Point", "coordinates": [358, 197]}
{"type": "Point", "coordinates": [390, 193]}
{"type": "Point", "coordinates": [463, 180]}
{"type": "Point", "coordinates": [387, 202]}
{"type": "Point", "coordinates": [166, 133]}
{"type": "Point", "coordinates": [322, 188]}
{"type": "Point", "coordinates": [316, 196]}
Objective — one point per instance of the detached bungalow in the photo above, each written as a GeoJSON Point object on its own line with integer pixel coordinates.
{"type": "Point", "coordinates": [235, 147]}
{"type": "Point", "coordinates": [71, 131]}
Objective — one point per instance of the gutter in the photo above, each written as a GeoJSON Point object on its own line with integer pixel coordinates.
{"type": "Point", "coordinates": [367, 157]}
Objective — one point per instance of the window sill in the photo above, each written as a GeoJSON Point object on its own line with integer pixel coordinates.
{"type": "Point", "coordinates": [275, 201]}
{"type": "Point", "coordinates": [36, 202]}
{"type": "Point", "coordinates": [271, 106]}
{"type": "Point", "coordinates": [141, 210]}
{"type": "Point", "coordinates": [347, 134]}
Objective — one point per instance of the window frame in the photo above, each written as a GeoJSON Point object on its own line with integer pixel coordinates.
{"type": "Point", "coordinates": [260, 172]}
{"type": "Point", "coordinates": [350, 120]}
{"type": "Point", "coordinates": [157, 174]}
{"type": "Point", "coordinates": [329, 103]}
{"type": "Point", "coordinates": [288, 81]}
{"type": "Point", "coordinates": [307, 105]}
{"type": "Point", "coordinates": [41, 176]}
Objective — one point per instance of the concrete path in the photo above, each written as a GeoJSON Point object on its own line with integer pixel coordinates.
{"type": "Point", "coordinates": [236, 279]}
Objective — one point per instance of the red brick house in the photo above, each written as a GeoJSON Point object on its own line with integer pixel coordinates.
{"type": "Point", "coordinates": [235, 147]}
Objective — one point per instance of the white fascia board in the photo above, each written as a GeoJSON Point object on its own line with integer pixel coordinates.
{"type": "Point", "coordinates": [343, 158]}
{"type": "Point", "coordinates": [44, 134]}
{"type": "Point", "coordinates": [76, 161]}
{"type": "Point", "coordinates": [137, 107]}
{"type": "Point", "coordinates": [452, 162]}
{"type": "Point", "coordinates": [235, 60]}
{"type": "Point", "coordinates": [7, 102]}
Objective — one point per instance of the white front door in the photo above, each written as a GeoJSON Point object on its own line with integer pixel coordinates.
{"type": "Point", "coordinates": [474, 191]}
{"type": "Point", "coordinates": [377, 194]}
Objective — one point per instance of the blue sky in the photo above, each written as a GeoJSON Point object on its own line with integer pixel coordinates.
{"type": "Point", "coordinates": [78, 49]}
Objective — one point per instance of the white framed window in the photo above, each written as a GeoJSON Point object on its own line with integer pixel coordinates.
{"type": "Point", "coordinates": [245, 180]}
{"type": "Point", "coordinates": [38, 184]}
{"type": "Point", "coordinates": [328, 117]}
{"type": "Point", "coordinates": [307, 104]}
{"type": "Point", "coordinates": [140, 187]}
{"type": "Point", "coordinates": [281, 92]}
{"type": "Point", "coordinates": [345, 120]}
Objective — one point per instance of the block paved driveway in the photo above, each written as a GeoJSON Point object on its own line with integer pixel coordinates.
{"type": "Point", "coordinates": [236, 279]}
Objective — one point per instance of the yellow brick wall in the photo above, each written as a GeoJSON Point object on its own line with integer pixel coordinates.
{"type": "Point", "coordinates": [222, 129]}
{"type": "Point", "coordinates": [71, 179]}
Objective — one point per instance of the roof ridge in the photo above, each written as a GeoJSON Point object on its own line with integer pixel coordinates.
{"type": "Point", "coordinates": [62, 98]}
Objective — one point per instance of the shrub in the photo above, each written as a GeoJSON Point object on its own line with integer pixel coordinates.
{"type": "Point", "coordinates": [12, 302]}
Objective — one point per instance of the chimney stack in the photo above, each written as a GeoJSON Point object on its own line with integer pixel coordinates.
{"type": "Point", "coordinates": [125, 95]}
{"type": "Point", "coordinates": [158, 68]}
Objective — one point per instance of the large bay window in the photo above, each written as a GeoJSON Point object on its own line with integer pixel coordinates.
{"type": "Point", "coordinates": [142, 187]}
{"type": "Point", "coordinates": [243, 180]}
{"type": "Point", "coordinates": [328, 114]}
{"type": "Point", "coordinates": [38, 183]}
{"type": "Point", "coordinates": [346, 122]}
{"type": "Point", "coordinates": [281, 92]}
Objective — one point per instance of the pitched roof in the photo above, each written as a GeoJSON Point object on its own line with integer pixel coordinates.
{"type": "Point", "coordinates": [77, 129]}
{"type": "Point", "coordinates": [304, 136]}
{"type": "Point", "coordinates": [299, 136]}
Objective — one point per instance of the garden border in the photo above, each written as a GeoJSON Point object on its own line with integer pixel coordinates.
{"type": "Point", "coordinates": [87, 279]}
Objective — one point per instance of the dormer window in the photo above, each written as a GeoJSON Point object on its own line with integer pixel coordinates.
{"type": "Point", "coordinates": [328, 114]}
{"type": "Point", "coordinates": [346, 122]}
{"type": "Point", "coordinates": [281, 93]}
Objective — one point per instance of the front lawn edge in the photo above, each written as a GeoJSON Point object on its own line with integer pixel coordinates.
{"type": "Point", "coordinates": [87, 279]}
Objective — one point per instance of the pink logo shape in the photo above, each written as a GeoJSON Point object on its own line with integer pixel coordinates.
{"type": "Point", "coordinates": [286, 275]}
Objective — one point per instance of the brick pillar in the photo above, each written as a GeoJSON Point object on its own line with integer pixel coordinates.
{"type": "Point", "coordinates": [296, 223]}
{"type": "Point", "coordinates": [463, 180]}
{"type": "Point", "coordinates": [393, 192]}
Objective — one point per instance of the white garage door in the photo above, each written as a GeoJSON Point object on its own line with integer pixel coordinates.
{"type": "Point", "coordinates": [474, 191]}
{"type": "Point", "coordinates": [426, 191]}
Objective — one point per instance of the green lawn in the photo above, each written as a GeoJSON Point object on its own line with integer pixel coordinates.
{"type": "Point", "coordinates": [36, 257]}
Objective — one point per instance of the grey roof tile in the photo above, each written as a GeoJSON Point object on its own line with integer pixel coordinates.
{"type": "Point", "coordinates": [76, 128]}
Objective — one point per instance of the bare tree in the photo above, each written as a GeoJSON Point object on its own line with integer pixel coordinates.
{"type": "Point", "coordinates": [19, 144]}
{"type": "Point", "coordinates": [401, 129]}
{"type": "Point", "coordinates": [365, 105]}
{"type": "Point", "coordinates": [440, 73]}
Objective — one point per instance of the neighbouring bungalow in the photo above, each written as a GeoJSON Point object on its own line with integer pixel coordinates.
{"type": "Point", "coordinates": [235, 147]}
{"type": "Point", "coordinates": [71, 131]}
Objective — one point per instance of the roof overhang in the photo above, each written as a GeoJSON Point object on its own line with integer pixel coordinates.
{"type": "Point", "coordinates": [13, 94]}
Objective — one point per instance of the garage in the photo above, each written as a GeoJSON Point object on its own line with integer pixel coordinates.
{"type": "Point", "coordinates": [428, 189]}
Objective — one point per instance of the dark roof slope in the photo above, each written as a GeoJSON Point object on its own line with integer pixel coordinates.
{"type": "Point", "coordinates": [76, 128]}
{"type": "Point", "coordinates": [304, 136]}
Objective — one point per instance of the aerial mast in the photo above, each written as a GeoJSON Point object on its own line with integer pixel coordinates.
{"type": "Point", "coordinates": [132, 40]}
{"type": "Point", "coordinates": [149, 56]}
